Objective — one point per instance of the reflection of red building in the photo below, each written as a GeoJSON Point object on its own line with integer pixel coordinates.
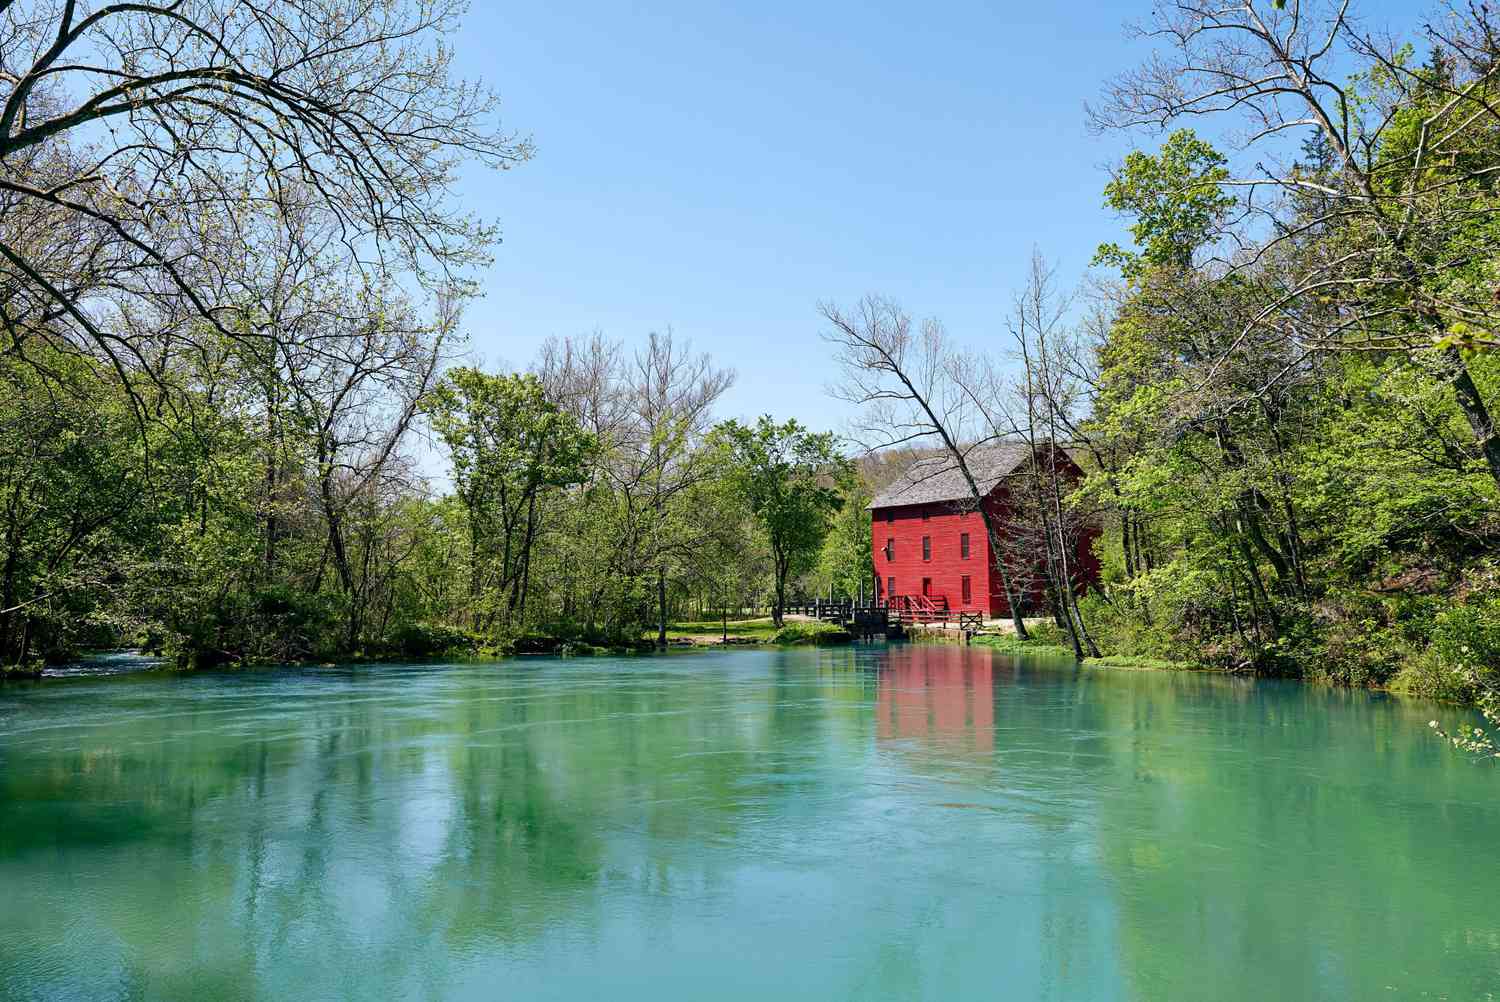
{"type": "Point", "coordinates": [946, 692]}
{"type": "Point", "coordinates": [930, 544]}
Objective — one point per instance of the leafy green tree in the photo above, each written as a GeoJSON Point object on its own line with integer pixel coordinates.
{"type": "Point", "coordinates": [788, 476]}
{"type": "Point", "coordinates": [845, 562]}
{"type": "Point", "coordinates": [70, 490]}
{"type": "Point", "coordinates": [510, 446]}
{"type": "Point", "coordinates": [1176, 200]}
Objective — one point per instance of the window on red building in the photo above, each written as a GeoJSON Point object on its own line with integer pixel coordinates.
{"type": "Point", "coordinates": [890, 514]}
{"type": "Point", "coordinates": [890, 549]}
{"type": "Point", "coordinates": [963, 545]}
{"type": "Point", "coordinates": [927, 587]}
{"type": "Point", "coordinates": [968, 595]}
{"type": "Point", "coordinates": [890, 589]}
{"type": "Point", "coordinates": [926, 547]}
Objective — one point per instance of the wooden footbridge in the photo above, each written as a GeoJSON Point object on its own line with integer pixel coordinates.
{"type": "Point", "coordinates": [890, 620]}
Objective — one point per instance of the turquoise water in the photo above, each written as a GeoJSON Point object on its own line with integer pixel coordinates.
{"type": "Point", "coordinates": [911, 823]}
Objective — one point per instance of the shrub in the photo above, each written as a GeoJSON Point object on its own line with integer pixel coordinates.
{"type": "Point", "coordinates": [1468, 637]}
{"type": "Point", "coordinates": [1464, 658]}
{"type": "Point", "coordinates": [811, 633]}
{"type": "Point", "coordinates": [263, 624]}
{"type": "Point", "coordinates": [1138, 663]}
{"type": "Point", "coordinates": [427, 640]}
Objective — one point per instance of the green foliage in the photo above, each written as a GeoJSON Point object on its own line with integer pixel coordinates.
{"type": "Point", "coordinates": [1467, 639]}
{"type": "Point", "coordinates": [1176, 200]}
{"type": "Point", "coordinates": [510, 448]}
{"type": "Point", "coordinates": [789, 478]}
{"type": "Point", "coordinates": [431, 640]}
{"type": "Point", "coordinates": [1289, 514]}
{"type": "Point", "coordinates": [268, 624]}
{"type": "Point", "coordinates": [846, 563]}
{"type": "Point", "coordinates": [1129, 663]}
{"type": "Point", "coordinates": [1009, 643]}
{"type": "Point", "coordinates": [820, 634]}
{"type": "Point", "coordinates": [71, 495]}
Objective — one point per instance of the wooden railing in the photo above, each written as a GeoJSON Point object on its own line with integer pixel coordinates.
{"type": "Point", "coordinates": [923, 609]}
{"type": "Point", "coordinates": [905, 609]}
{"type": "Point", "coordinates": [833, 610]}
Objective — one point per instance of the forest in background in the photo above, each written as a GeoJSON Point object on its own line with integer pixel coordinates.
{"type": "Point", "coordinates": [232, 287]}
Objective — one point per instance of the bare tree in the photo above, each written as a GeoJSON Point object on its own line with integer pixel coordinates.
{"type": "Point", "coordinates": [147, 135]}
{"type": "Point", "coordinates": [1051, 399]}
{"type": "Point", "coordinates": [672, 391]}
{"type": "Point", "coordinates": [585, 376]}
{"type": "Point", "coordinates": [902, 382]}
{"type": "Point", "coordinates": [1036, 404]}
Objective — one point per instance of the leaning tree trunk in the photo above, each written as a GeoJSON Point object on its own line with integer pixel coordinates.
{"type": "Point", "coordinates": [991, 530]}
{"type": "Point", "coordinates": [1471, 402]}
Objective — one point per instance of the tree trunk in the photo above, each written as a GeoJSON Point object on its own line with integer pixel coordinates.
{"type": "Point", "coordinates": [11, 617]}
{"type": "Point", "coordinates": [271, 483]}
{"type": "Point", "coordinates": [661, 606]}
{"type": "Point", "coordinates": [1057, 596]}
{"type": "Point", "coordinates": [1005, 586]}
{"type": "Point", "coordinates": [1472, 404]}
{"type": "Point", "coordinates": [778, 612]}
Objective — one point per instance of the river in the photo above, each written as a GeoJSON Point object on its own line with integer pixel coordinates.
{"type": "Point", "coordinates": [912, 822]}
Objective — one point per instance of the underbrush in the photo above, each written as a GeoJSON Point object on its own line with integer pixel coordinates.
{"type": "Point", "coordinates": [811, 633]}
{"type": "Point", "coordinates": [1441, 644]}
{"type": "Point", "coordinates": [1126, 662]}
{"type": "Point", "coordinates": [1040, 644]}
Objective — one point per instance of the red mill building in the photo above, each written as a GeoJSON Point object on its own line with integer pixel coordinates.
{"type": "Point", "coordinates": [929, 542]}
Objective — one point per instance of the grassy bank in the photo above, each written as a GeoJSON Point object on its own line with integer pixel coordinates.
{"type": "Point", "coordinates": [1046, 640]}
{"type": "Point", "coordinates": [1126, 662]}
{"type": "Point", "coordinates": [1009, 643]}
{"type": "Point", "coordinates": [709, 633]}
{"type": "Point", "coordinates": [810, 632]}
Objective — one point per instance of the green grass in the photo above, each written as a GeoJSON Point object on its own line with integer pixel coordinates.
{"type": "Point", "coordinates": [1007, 643]}
{"type": "Point", "coordinates": [1129, 663]}
{"type": "Point", "coordinates": [708, 630]}
{"type": "Point", "coordinates": [760, 631]}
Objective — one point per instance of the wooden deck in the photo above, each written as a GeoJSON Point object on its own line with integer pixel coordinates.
{"type": "Point", "coordinates": [888, 620]}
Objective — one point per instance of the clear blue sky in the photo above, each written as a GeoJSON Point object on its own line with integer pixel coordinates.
{"type": "Point", "coordinates": [720, 169]}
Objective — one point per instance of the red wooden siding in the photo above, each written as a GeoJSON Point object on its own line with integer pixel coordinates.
{"type": "Point", "coordinates": [919, 550]}
{"type": "Point", "coordinates": [944, 565]}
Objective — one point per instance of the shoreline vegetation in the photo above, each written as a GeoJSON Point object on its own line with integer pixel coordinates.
{"type": "Point", "coordinates": [1045, 641]}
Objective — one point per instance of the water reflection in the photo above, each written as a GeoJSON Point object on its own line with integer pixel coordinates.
{"type": "Point", "coordinates": [938, 692]}
{"type": "Point", "coordinates": [911, 822]}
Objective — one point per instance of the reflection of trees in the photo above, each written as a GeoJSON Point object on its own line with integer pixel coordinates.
{"type": "Point", "coordinates": [1208, 836]}
{"type": "Point", "coordinates": [473, 808]}
{"type": "Point", "coordinates": [1287, 834]}
{"type": "Point", "coordinates": [289, 835]}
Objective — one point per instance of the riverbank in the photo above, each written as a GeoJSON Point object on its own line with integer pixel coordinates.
{"type": "Point", "coordinates": [796, 631]}
{"type": "Point", "coordinates": [1045, 643]}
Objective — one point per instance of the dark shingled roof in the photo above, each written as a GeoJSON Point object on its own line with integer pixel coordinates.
{"type": "Point", "coordinates": [938, 478]}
